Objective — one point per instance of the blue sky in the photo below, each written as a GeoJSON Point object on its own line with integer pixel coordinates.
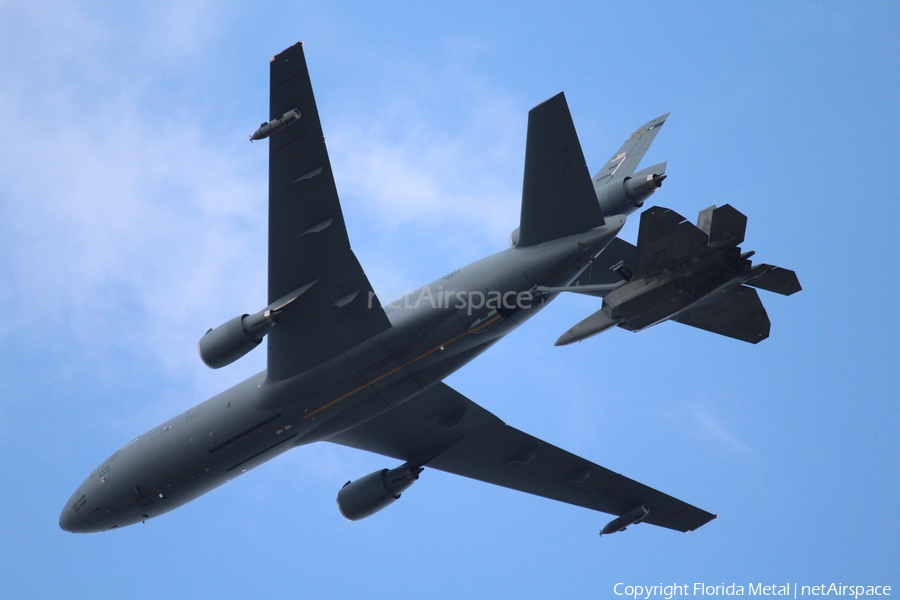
{"type": "Point", "coordinates": [133, 217]}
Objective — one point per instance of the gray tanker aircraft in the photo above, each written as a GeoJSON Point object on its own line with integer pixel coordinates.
{"type": "Point", "coordinates": [343, 368]}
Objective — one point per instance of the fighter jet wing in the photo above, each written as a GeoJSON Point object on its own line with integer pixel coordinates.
{"type": "Point", "coordinates": [736, 313]}
{"type": "Point", "coordinates": [665, 239]}
{"type": "Point", "coordinates": [442, 429]}
{"type": "Point", "coordinates": [308, 243]}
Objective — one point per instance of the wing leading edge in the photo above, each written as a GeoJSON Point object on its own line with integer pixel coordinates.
{"type": "Point", "coordinates": [442, 429]}
{"type": "Point", "coordinates": [557, 197]}
{"type": "Point", "coordinates": [309, 248]}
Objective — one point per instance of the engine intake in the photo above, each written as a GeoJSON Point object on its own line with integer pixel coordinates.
{"type": "Point", "coordinates": [367, 495]}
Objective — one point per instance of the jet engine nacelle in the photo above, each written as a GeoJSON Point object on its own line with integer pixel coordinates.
{"type": "Point", "coordinates": [624, 196]}
{"type": "Point", "coordinates": [367, 495]}
{"type": "Point", "coordinates": [235, 338]}
{"type": "Point", "coordinates": [633, 516]}
{"type": "Point", "coordinates": [267, 129]}
{"type": "Point", "coordinates": [514, 238]}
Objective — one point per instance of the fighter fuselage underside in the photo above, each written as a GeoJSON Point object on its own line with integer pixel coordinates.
{"type": "Point", "coordinates": [644, 303]}
{"type": "Point", "coordinates": [434, 331]}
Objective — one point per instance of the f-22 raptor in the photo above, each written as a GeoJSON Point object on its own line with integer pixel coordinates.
{"type": "Point", "coordinates": [344, 369]}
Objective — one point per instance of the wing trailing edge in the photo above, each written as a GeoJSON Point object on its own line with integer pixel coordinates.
{"type": "Point", "coordinates": [442, 429]}
{"type": "Point", "coordinates": [738, 314]}
{"type": "Point", "coordinates": [308, 241]}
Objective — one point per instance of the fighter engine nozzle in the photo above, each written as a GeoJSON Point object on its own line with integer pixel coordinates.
{"type": "Point", "coordinates": [632, 517]}
{"type": "Point", "coordinates": [267, 129]}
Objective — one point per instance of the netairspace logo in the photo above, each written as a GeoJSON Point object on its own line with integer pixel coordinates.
{"type": "Point", "coordinates": [785, 590]}
{"type": "Point", "coordinates": [472, 301]}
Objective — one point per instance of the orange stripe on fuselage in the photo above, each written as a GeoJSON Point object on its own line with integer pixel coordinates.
{"type": "Point", "coordinates": [401, 367]}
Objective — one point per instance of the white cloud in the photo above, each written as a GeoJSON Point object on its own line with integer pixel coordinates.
{"type": "Point", "coordinates": [115, 220]}
{"type": "Point", "coordinates": [707, 427]}
{"type": "Point", "coordinates": [123, 214]}
{"type": "Point", "coordinates": [410, 166]}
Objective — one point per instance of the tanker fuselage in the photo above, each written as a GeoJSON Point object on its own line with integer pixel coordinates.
{"type": "Point", "coordinates": [435, 331]}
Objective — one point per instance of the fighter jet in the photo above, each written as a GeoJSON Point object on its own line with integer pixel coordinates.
{"type": "Point", "coordinates": [343, 368]}
{"type": "Point", "coordinates": [691, 275]}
